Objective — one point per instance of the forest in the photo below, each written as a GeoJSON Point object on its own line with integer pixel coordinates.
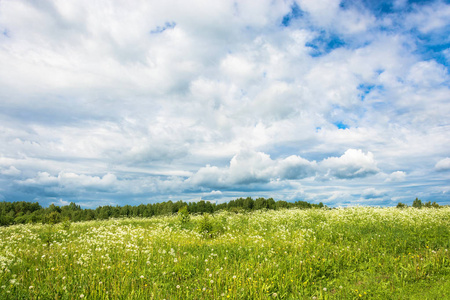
{"type": "Point", "coordinates": [23, 212]}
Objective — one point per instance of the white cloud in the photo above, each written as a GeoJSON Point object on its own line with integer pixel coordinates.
{"type": "Point", "coordinates": [209, 176]}
{"type": "Point", "coordinates": [397, 176]}
{"type": "Point", "coordinates": [430, 17]}
{"type": "Point", "coordinates": [42, 178]}
{"type": "Point", "coordinates": [61, 202]}
{"type": "Point", "coordinates": [11, 171]}
{"type": "Point", "coordinates": [371, 193]}
{"type": "Point", "coordinates": [249, 167]}
{"type": "Point", "coordinates": [72, 181]}
{"type": "Point", "coordinates": [427, 73]}
{"type": "Point", "coordinates": [352, 164]}
{"type": "Point", "coordinates": [295, 167]}
{"type": "Point", "coordinates": [443, 164]}
{"type": "Point", "coordinates": [212, 195]}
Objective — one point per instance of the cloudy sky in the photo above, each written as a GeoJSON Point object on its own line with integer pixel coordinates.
{"type": "Point", "coordinates": [129, 102]}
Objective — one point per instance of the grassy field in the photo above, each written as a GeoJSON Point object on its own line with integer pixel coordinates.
{"type": "Point", "coordinates": [354, 253]}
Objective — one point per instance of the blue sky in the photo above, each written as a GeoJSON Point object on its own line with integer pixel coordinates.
{"type": "Point", "coordinates": [114, 103]}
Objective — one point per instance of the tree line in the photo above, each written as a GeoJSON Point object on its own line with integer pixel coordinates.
{"type": "Point", "coordinates": [417, 203]}
{"type": "Point", "coordinates": [27, 212]}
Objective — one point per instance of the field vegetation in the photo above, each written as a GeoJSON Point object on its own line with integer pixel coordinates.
{"type": "Point", "coordinates": [351, 253]}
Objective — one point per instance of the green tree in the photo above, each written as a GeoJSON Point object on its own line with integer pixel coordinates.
{"type": "Point", "coordinates": [261, 203]}
{"type": "Point", "coordinates": [52, 218]}
{"type": "Point", "coordinates": [435, 205]}
{"type": "Point", "coordinates": [183, 215]}
{"type": "Point", "coordinates": [281, 204]}
{"type": "Point", "coordinates": [401, 205]}
{"type": "Point", "coordinates": [248, 203]}
{"type": "Point", "coordinates": [417, 203]}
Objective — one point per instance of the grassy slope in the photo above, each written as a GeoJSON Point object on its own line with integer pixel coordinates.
{"type": "Point", "coordinates": [372, 253]}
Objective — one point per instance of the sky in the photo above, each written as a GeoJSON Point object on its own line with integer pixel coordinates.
{"type": "Point", "coordinates": [129, 102]}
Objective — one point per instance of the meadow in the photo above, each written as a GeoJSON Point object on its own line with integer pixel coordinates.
{"type": "Point", "coordinates": [347, 253]}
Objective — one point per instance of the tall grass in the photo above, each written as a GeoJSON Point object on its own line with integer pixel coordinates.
{"type": "Point", "coordinates": [371, 253]}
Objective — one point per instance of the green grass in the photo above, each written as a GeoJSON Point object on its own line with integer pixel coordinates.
{"type": "Point", "coordinates": [356, 253]}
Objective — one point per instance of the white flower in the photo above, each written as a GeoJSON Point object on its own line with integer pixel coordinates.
{"type": "Point", "coordinates": [142, 276]}
{"type": "Point", "coordinates": [81, 296]}
{"type": "Point", "coordinates": [178, 286]}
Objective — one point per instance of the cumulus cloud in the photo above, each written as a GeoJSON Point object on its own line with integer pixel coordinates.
{"type": "Point", "coordinates": [443, 164]}
{"type": "Point", "coordinates": [295, 167]}
{"type": "Point", "coordinates": [250, 167]}
{"type": "Point", "coordinates": [352, 164]}
{"type": "Point", "coordinates": [210, 176]}
{"type": "Point", "coordinates": [397, 176]}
